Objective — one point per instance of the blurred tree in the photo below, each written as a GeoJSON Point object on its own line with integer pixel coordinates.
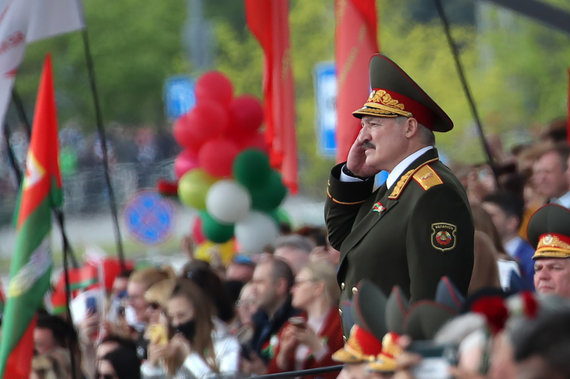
{"type": "Point", "coordinates": [135, 46]}
{"type": "Point", "coordinates": [516, 67]}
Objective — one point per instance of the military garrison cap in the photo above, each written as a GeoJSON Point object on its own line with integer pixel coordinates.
{"type": "Point", "coordinates": [365, 340]}
{"type": "Point", "coordinates": [395, 93]}
{"type": "Point", "coordinates": [549, 232]}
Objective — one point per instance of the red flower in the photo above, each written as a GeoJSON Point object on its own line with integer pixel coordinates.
{"type": "Point", "coordinates": [530, 304]}
{"type": "Point", "coordinates": [494, 310]}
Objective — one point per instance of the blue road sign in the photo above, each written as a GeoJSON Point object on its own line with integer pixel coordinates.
{"type": "Point", "coordinates": [179, 96]}
{"type": "Point", "coordinates": [149, 217]}
{"type": "Point", "coordinates": [325, 90]}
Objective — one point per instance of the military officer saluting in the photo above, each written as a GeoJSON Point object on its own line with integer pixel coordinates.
{"type": "Point", "coordinates": [415, 228]}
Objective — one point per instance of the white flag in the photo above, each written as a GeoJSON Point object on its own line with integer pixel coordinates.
{"type": "Point", "coordinates": [52, 17]}
{"type": "Point", "coordinates": [26, 21]}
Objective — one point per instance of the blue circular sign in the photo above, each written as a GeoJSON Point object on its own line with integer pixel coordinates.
{"type": "Point", "coordinates": [149, 217]}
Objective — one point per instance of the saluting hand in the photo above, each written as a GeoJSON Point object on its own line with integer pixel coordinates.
{"type": "Point", "coordinates": [356, 161]}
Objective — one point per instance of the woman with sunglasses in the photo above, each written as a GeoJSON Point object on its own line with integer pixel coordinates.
{"type": "Point", "coordinates": [199, 344]}
{"type": "Point", "coordinates": [309, 341]}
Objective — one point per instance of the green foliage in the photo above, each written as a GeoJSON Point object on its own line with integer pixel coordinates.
{"type": "Point", "coordinates": [516, 67]}
{"type": "Point", "coordinates": [135, 47]}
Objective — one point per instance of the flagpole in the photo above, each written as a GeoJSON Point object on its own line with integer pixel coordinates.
{"type": "Point", "coordinates": [103, 140]}
{"type": "Point", "coordinates": [466, 90]}
{"type": "Point", "coordinates": [17, 100]}
{"type": "Point", "coordinates": [68, 294]}
{"type": "Point", "coordinates": [11, 156]}
{"type": "Point", "coordinates": [58, 213]}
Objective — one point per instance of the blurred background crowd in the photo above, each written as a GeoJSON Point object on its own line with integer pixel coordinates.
{"type": "Point", "coordinates": [277, 310]}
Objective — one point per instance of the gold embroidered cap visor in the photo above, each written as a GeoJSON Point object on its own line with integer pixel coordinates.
{"type": "Point", "coordinates": [394, 93]}
{"type": "Point", "coordinates": [549, 232]}
{"type": "Point", "coordinates": [553, 246]}
{"type": "Point", "coordinates": [360, 347]}
{"type": "Point", "coordinates": [386, 360]}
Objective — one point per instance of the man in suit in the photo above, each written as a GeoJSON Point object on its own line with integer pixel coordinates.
{"type": "Point", "coordinates": [506, 210]}
{"type": "Point", "coordinates": [415, 228]}
{"type": "Point", "coordinates": [549, 174]}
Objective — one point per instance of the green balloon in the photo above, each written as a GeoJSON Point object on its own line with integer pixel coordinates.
{"type": "Point", "coordinates": [270, 195]}
{"type": "Point", "coordinates": [281, 218]}
{"type": "Point", "coordinates": [193, 187]}
{"type": "Point", "coordinates": [251, 168]}
{"type": "Point", "coordinates": [214, 230]}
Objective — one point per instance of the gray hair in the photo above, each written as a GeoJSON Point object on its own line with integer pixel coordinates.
{"type": "Point", "coordinates": [426, 135]}
{"type": "Point", "coordinates": [295, 241]}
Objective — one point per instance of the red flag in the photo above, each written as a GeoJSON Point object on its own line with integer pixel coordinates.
{"type": "Point", "coordinates": [269, 22]}
{"type": "Point", "coordinates": [30, 268]}
{"type": "Point", "coordinates": [356, 42]}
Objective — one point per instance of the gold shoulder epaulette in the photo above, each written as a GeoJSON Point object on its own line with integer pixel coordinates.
{"type": "Point", "coordinates": [426, 177]}
{"type": "Point", "coordinates": [400, 185]}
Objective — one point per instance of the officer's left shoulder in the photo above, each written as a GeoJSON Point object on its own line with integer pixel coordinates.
{"type": "Point", "coordinates": [425, 175]}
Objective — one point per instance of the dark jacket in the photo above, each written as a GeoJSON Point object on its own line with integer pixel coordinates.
{"type": "Point", "coordinates": [409, 235]}
{"type": "Point", "coordinates": [265, 329]}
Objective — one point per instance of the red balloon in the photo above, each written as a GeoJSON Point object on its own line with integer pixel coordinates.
{"type": "Point", "coordinates": [246, 113]}
{"type": "Point", "coordinates": [217, 157]}
{"type": "Point", "coordinates": [185, 161]}
{"type": "Point", "coordinates": [255, 141]}
{"type": "Point", "coordinates": [204, 122]}
{"type": "Point", "coordinates": [183, 134]}
{"type": "Point", "coordinates": [214, 85]}
{"type": "Point", "coordinates": [197, 233]}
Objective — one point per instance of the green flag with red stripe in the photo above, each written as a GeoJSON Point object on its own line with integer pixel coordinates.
{"type": "Point", "coordinates": [31, 265]}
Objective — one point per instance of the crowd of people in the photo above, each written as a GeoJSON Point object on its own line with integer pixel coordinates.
{"type": "Point", "coordinates": [278, 311]}
{"type": "Point", "coordinates": [439, 272]}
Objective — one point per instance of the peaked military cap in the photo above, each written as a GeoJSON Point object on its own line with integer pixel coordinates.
{"type": "Point", "coordinates": [447, 294]}
{"type": "Point", "coordinates": [386, 360]}
{"type": "Point", "coordinates": [361, 346]}
{"type": "Point", "coordinates": [369, 305]}
{"type": "Point", "coordinates": [395, 93]}
{"type": "Point", "coordinates": [549, 232]}
{"type": "Point", "coordinates": [397, 308]}
{"type": "Point", "coordinates": [425, 318]}
{"type": "Point", "coordinates": [367, 311]}
{"type": "Point", "coordinates": [347, 315]}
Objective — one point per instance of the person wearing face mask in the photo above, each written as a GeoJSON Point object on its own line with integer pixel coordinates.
{"type": "Point", "coordinates": [199, 345]}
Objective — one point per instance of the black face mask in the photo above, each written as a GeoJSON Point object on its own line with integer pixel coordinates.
{"type": "Point", "coordinates": [187, 329]}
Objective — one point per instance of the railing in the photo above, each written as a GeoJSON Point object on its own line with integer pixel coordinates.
{"type": "Point", "coordinates": [85, 191]}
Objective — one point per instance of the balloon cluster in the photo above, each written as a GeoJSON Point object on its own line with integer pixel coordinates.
{"type": "Point", "coordinates": [224, 169]}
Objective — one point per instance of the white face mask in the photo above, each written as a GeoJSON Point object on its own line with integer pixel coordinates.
{"type": "Point", "coordinates": [132, 320]}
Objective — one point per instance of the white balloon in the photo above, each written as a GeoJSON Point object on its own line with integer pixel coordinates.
{"type": "Point", "coordinates": [228, 201]}
{"type": "Point", "coordinates": [255, 232]}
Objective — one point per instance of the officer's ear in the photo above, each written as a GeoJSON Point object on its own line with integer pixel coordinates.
{"type": "Point", "coordinates": [410, 127]}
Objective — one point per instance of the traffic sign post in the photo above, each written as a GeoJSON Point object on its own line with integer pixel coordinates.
{"type": "Point", "coordinates": [325, 95]}
{"type": "Point", "coordinates": [179, 96]}
{"type": "Point", "coordinates": [149, 217]}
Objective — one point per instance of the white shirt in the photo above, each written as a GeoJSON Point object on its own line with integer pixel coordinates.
{"type": "Point", "coordinates": [563, 200]}
{"type": "Point", "coordinates": [403, 165]}
{"type": "Point", "coordinates": [396, 172]}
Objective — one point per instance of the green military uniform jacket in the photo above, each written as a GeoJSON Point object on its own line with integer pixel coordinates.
{"type": "Point", "coordinates": [409, 235]}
